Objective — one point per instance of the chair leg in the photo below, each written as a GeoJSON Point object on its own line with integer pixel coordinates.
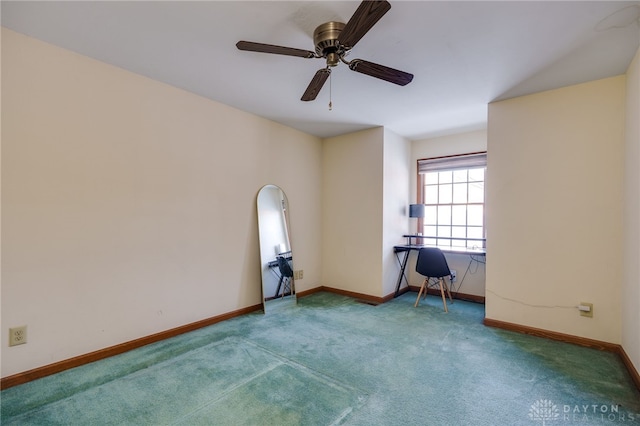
{"type": "Point", "coordinates": [420, 293]}
{"type": "Point", "coordinates": [444, 299]}
{"type": "Point", "coordinates": [426, 287]}
{"type": "Point", "coordinates": [446, 286]}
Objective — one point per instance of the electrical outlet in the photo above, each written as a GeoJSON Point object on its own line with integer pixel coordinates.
{"type": "Point", "coordinates": [18, 335]}
{"type": "Point", "coordinates": [298, 275]}
{"type": "Point", "coordinates": [454, 276]}
{"type": "Point", "coordinates": [586, 309]}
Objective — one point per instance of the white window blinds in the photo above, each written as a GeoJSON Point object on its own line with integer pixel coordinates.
{"type": "Point", "coordinates": [466, 161]}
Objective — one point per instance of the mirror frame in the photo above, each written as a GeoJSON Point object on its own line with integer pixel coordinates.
{"type": "Point", "coordinates": [274, 233]}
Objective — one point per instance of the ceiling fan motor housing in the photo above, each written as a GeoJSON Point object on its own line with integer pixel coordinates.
{"type": "Point", "coordinates": [325, 38]}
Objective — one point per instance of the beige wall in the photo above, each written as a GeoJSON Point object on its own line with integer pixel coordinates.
{"type": "Point", "coordinates": [631, 276]}
{"type": "Point", "coordinates": [365, 199]}
{"type": "Point", "coordinates": [554, 197]}
{"type": "Point", "coordinates": [129, 206]}
{"type": "Point", "coordinates": [397, 152]}
{"type": "Point", "coordinates": [461, 143]}
{"type": "Point", "coordinates": [352, 200]}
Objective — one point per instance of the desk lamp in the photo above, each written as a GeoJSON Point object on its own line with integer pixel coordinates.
{"type": "Point", "coordinates": [417, 211]}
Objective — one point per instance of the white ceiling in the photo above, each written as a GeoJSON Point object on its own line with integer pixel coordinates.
{"type": "Point", "coordinates": [463, 54]}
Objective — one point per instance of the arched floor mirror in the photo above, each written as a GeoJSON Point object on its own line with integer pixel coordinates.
{"type": "Point", "coordinates": [276, 256]}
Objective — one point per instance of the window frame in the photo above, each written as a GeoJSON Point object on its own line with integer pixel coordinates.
{"type": "Point", "coordinates": [452, 162]}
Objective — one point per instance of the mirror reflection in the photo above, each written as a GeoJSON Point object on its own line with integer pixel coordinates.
{"type": "Point", "coordinates": [276, 258]}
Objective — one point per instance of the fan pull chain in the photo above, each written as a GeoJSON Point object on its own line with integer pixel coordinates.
{"type": "Point", "coordinates": [330, 103]}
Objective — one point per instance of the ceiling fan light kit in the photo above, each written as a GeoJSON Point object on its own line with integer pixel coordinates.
{"type": "Point", "coordinates": [333, 40]}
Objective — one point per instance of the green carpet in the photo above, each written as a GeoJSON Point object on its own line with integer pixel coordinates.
{"type": "Point", "coordinates": [332, 360]}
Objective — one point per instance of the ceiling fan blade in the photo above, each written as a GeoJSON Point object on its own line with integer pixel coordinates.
{"type": "Point", "coordinates": [270, 48]}
{"type": "Point", "coordinates": [363, 19]}
{"type": "Point", "coordinates": [380, 71]}
{"type": "Point", "coordinates": [316, 84]}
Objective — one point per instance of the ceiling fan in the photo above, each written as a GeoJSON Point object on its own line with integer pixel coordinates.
{"type": "Point", "coordinates": [333, 40]}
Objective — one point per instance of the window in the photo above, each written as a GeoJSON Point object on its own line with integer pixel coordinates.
{"type": "Point", "coordinates": [452, 189]}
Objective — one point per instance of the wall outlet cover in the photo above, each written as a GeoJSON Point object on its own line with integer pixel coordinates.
{"type": "Point", "coordinates": [18, 335]}
{"type": "Point", "coordinates": [586, 313]}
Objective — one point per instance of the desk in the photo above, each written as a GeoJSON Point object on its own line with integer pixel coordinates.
{"type": "Point", "coordinates": [408, 248]}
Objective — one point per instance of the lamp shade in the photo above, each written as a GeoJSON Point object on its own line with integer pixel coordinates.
{"type": "Point", "coordinates": [416, 210]}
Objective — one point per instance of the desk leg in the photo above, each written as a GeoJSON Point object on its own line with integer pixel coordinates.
{"type": "Point", "coordinates": [278, 289]}
{"type": "Point", "coordinates": [403, 265]}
